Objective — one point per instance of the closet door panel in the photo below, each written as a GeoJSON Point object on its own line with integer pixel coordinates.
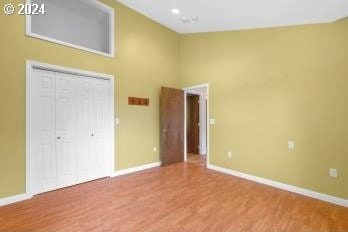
{"type": "Point", "coordinates": [65, 130]}
{"type": "Point", "coordinates": [101, 99]}
{"type": "Point", "coordinates": [85, 123]}
{"type": "Point", "coordinates": [42, 131]}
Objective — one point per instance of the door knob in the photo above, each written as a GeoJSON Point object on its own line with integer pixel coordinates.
{"type": "Point", "coordinates": [164, 130]}
{"type": "Point", "coordinates": [58, 137]}
{"type": "Point", "coordinates": [92, 134]}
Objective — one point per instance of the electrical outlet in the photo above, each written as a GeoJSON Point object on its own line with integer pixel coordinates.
{"type": "Point", "coordinates": [291, 145]}
{"type": "Point", "coordinates": [229, 154]}
{"type": "Point", "coordinates": [333, 172]}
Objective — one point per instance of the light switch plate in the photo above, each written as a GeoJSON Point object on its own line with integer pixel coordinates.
{"type": "Point", "coordinates": [212, 121]}
{"type": "Point", "coordinates": [117, 121]}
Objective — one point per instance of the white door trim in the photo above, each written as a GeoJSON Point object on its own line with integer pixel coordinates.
{"type": "Point", "coordinates": [30, 66]}
{"type": "Point", "coordinates": [188, 90]}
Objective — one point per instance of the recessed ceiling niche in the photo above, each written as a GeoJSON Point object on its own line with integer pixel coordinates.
{"type": "Point", "coordinates": [86, 25]}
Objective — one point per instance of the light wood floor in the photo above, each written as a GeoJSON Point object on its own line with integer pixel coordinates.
{"type": "Point", "coordinates": [179, 198]}
{"type": "Point", "coordinates": [197, 159]}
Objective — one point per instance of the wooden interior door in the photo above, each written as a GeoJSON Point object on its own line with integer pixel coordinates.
{"type": "Point", "coordinates": [193, 124]}
{"type": "Point", "coordinates": [171, 126]}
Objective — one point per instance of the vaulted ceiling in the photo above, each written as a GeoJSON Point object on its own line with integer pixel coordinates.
{"type": "Point", "coordinates": [225, 15]}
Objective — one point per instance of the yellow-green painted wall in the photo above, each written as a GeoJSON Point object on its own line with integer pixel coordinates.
{"type": "Point", "coordinates": [269, 86]}
{"type": "Point", "coordinates": [146, 58]}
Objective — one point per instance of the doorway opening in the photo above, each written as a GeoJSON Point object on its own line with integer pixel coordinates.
{"type": "Point", "coordinates": [196, 124]}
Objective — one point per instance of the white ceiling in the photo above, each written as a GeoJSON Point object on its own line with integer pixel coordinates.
{"type": "Point", "coordinates": [226, 15]}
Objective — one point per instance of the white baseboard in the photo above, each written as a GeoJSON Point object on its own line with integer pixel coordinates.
{"type": "Point", "coordinates": [287, 187]}
{"type": "Point", "coordinates": [14, 199]}
{"type": "Point", "coordinates": [22, 197]}
{"type": "Point", "coordinates": [136, 169]}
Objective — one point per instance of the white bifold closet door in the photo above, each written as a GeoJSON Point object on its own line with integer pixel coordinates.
{"type": "Point", "coordinates": [65, 127]}
{"type": "Point", "coordinates": [68, 129]}
{"type": "Point", "coordinates": [92, 95]}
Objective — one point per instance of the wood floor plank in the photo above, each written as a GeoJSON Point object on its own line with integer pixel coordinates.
{"type": "Point", "coordinates": [184, 197]}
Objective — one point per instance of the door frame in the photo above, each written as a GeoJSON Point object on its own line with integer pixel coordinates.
{"type": "Point", "coordinates": [30, 66]}
{"type": "Point", "coordinates": [193, 90]}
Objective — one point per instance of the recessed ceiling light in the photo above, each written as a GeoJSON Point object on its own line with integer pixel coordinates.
{"type": "Point", "coordinates": [175, 11]}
